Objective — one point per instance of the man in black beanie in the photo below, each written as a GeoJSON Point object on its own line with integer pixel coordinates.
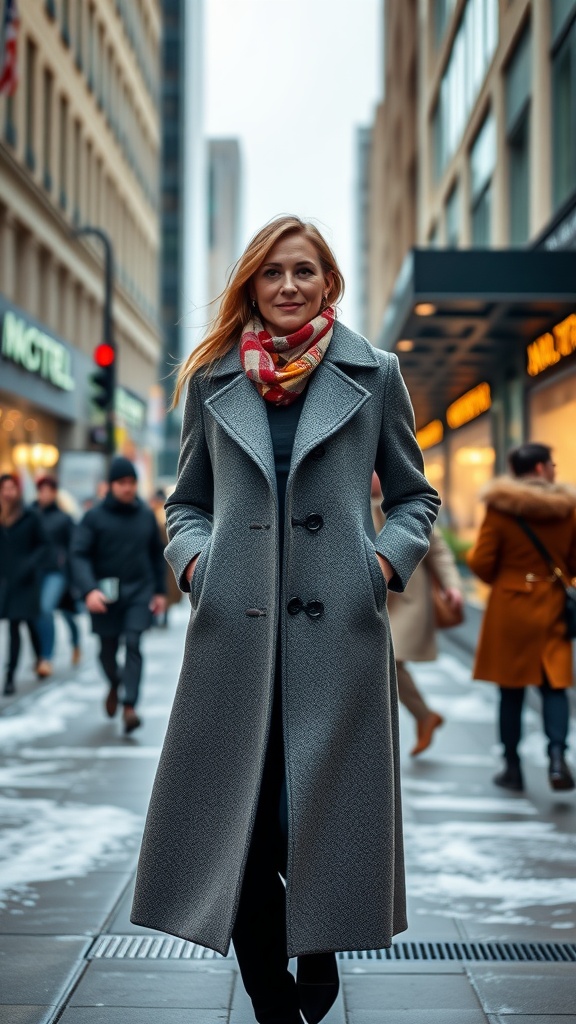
{"type": "Point", "coordinates": [118, 565]}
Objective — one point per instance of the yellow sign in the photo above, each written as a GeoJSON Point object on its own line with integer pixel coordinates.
{"type": "Point", "coordinates": [469, 406]}
{"type": "Point", "coordinates": [549, 348]}
{"type": "Point", "coordinates": [430, 435]}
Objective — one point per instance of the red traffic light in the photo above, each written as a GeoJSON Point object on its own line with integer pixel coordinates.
{"type": "Point", "coordinates": [104, 354]}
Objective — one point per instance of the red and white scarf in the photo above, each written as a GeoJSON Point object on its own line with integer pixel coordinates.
{"type": "Point", "coordinates": [280, 367]}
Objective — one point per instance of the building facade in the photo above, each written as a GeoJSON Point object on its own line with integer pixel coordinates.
{"type": "Point", "coordinates": [485, 325]}
{"type": "Point", "coordinates": [79, 147]}
{"type": "Point", "coordinates": [224, 211]}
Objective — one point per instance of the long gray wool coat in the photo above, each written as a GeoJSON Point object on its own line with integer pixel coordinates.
{"type": "Point", "coordinates": [345, 880]}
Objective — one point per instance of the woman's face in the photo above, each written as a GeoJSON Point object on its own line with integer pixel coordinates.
{"type": "Point", "coordinates": [290, 286]}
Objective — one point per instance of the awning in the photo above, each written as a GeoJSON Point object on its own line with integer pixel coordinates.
{"type": "Point", "coordinates": [461, 316]}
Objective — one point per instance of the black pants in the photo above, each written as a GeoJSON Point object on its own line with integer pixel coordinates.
{"type": "Point", "coordinates": [555, 714]}
{"type": "Point", "coordinates": [14, 647]}
{"type": "Point", "coordinates": [129, 675]}
{"type": "Point", "coordinates": [259, 934]}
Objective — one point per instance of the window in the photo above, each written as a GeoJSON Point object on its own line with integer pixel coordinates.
{"type": "Point", "coordinates": [30, 79]}
{"type": "Point", "coordinates": [9, 126]}
{"type": "Point", "coordinates": [91, 47]}
{"type": "Point", "coordinates": [561, 10]}
{"type": "Point", "coordinates": [472, 51]}
{"type": "Point", "coordinates": [77, 162]}
{"type": "Point", "coordinates": [482, 163]}
{"type": "Point", "coordinates": [65, 21]}
{"type": "Point", "coordinates": [79, 34]}
{"type": "Point", "coordinates": [518, 79]}
{"type": "Point", "coordinates": [564, 114]}
{"type": "Point", "coordinates": [63, 152]}
{"type": "Point", "coordinates": [453, 218]}
{"type": "Point", "coordinates": [47, 129]}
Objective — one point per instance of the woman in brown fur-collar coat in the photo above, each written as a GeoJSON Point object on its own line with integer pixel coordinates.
{"type": "Point", "coordinates": [523, 641]}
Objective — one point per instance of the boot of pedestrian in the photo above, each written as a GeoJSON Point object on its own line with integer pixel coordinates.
{"type": "Point", "coordinates": [131, 720]}
{"type": "Point", "coordinates": [510, 778]}
{"type": "Point", "coordinates": [559, 774]}
{"type": "Point", "coordinates": [44, 669]}
{"type": "Point", "coordinates": [425, 729]}
{"type": "Point", "coordinates": [318, 985]}
{"type": "Point", "coordinates": [76, 655]}
{"type": "Point", "coordinates": [9, 687]}
{"type": "Point", "coordinates": [111, 702]}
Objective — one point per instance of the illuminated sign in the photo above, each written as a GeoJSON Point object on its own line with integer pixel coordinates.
{"type": "Point", "coordinates": [37, 352]}
{"type": "Point", "coordinates": [469, 406]}
{"type": "Point", "coordinates": [430, 435]}
{"type": "Point", "coordinates": [549, 348]}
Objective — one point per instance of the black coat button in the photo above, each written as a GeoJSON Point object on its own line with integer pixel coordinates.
{"type": "Point", "coordinates": [318, 452]}
{"type": "Point", "coordinates": [294, 606]}
{"type": "Point", "coordinates": [314, 609]}
{"type": "Point", "coordinates": [314, 522]}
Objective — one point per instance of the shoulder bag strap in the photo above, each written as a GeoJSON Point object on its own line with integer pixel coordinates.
{"type": "Point", "coordinates": [541, 549]}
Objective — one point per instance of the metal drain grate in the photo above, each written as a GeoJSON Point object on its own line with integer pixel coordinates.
{"type": "Point", "coordinates": [446, 951]}
{"type": "Point", "coordinates": [146, 947]}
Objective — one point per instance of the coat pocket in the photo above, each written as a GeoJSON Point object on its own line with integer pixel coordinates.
{"type": "Point", "coordinates": [198, 575]}
{"type": "Point", "coordinates": [379, 585]}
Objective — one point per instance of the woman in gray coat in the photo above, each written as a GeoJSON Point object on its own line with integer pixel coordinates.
{"type": "Point", "coordinates": [281, 756]}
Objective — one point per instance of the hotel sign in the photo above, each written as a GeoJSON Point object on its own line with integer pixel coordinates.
{"type": "Point", "coordinates": [553, 346]}
{"type": "Point", "coordinates": [469, 406]}
{"type": "Point", "coordinates": [430, 435]}
{"type": "Point", "coordinates": [36, 352]}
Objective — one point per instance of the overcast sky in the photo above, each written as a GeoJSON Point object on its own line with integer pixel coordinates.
{"type": "Point", "coordinates": [291, 79]}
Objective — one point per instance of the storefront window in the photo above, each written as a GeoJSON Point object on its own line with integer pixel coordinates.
{"type": "Point", "coordinates": [435, 467]}
{"type": "Point", "coordinates": [472, 458]}
{"type": "Point", "coordinates": [552, 407]}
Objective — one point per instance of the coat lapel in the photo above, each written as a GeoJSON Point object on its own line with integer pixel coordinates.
{"type": "Point", "coordinates": [240, 411]}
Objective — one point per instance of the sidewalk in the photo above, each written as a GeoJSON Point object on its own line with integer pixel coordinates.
{"type": "Point", "coordinates": [491, 876]}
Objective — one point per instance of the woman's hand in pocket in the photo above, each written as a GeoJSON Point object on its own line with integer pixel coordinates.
{"type": "Point", "coordinates": [387, 569]}
{"type": "Point", "coordinates": [190, 568]}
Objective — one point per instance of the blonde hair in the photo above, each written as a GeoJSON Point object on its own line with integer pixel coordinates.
{"type": "Point", "coordinates": [235, 306]}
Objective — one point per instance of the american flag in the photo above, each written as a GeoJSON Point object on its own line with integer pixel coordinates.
{"type": "Point", "coordinates": [9, 48]}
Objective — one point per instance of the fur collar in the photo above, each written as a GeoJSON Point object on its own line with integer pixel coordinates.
{"type": "Point", "coordinates": [530, 497]}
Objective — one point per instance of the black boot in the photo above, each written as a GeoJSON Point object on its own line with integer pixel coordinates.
{"type": "Point", "coordinates": [559, 773]}
{"type": "Point", "coordinates": [278, 1005]}
{"type": "Point", "coordinates": [9, 687]}
{"type": "Point", "coordinates": [318, 985]}
{"type": "Point", "coordinates": [510, 777]}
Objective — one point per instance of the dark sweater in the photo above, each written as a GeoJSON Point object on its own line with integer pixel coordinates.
{"type": "Point", "coordinates": [283, 423]}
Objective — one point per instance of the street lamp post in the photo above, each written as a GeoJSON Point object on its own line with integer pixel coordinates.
{"type": "Point", "coordinates": [107, 328]}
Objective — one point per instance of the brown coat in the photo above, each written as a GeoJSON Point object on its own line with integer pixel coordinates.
{"type": "Point", "coordinates": [173, 592]}
{"type": "Point", "coordinates": [523, 634]}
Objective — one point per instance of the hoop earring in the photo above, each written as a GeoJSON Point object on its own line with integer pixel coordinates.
{"type": "Point", "coordinates": [254, 305]}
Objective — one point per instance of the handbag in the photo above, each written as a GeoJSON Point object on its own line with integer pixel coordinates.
{"type": "Point", "coordinates": [446, 616]}
{"type": "Point", "coordinates": [570, 591]}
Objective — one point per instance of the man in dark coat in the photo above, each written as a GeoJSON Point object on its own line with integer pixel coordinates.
{"type": "Point", "coordinates": [23, 551]}
{"type": "Point", "coordinates": [59, 527]}
{"type": "Point", "coordinates": [118, 566]}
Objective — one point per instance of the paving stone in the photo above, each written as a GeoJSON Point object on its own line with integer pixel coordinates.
{"type": "Point", "coordinates": [26, 1014]}
{"type": "Point", "coordinates": [150, 985]}
{"type": "Point", "coordinates": [566, 1018]}
{"type": "Point", "coordinates": [529, 989]}
{"type": "Point", "coordinates": [137, 1015]}
{"type": "Point", "coordinates": [38, 970]}
{"type": "Point", "coordinates": [416, 1017]}
{"type": "Point", "coordinates": [69, 906]}
{"type": "Point", "coordinates": [408, 992]}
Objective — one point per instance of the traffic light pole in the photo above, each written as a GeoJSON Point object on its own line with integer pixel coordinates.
{"type": "Point", "coordinates": [108, 323]}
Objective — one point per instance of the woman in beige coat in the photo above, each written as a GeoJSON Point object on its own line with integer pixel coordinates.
{"type": "Point", "coordinates": [412, 623]}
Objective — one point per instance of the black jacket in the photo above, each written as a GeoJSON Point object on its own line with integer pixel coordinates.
{"type": "Point", "coordinates": [24, 552]}
{"type": "Point", "coordinates": [116, 539]}
{"type": "Point", "coordinates": [59, 527]}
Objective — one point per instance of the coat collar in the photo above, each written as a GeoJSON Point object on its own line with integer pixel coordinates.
{"type": "Point", "coordinates": [332, 399]}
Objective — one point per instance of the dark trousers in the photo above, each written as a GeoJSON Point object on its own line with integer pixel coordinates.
{"type": "Point", "coordinates": [128, 676]}
{"type": "Point", "coordinates": [14, 647]}
{"type": "Point", "coordinates": [259, 934]}
{"type": "Point", "coordinates": [555, 714]}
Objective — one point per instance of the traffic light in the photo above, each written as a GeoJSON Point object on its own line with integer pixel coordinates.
{"type": "Point", "coordinates": [103, 379]}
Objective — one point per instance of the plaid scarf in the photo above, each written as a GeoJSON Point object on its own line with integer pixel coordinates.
{"type": "Point", "coordinates": [280, 367]}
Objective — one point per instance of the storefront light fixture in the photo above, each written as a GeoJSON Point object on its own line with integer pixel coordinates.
{"type": "Point", "coordinates": [469, 406]}
{"type": "Point", "coordinates": [35, 456]}
{"type": "Point", "coordinates": [30, 424]}
{"type": "Point", "coordinates": [430, 435]}
{"type": "Point", "coordinates": [553, 346]}
{"type": "Point", "coordinates": [405, 345]}
{"type": "Point", "coordinates": [475, 457]}
{"type": "Point", "coordinates": [424, 309]}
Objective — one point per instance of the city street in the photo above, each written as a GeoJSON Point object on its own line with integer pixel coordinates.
{"type": "Point", "coordinates": [490, 874]}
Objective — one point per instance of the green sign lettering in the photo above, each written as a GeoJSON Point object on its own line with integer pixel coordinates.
{"type": "Point", "coordinates": [36, 352]}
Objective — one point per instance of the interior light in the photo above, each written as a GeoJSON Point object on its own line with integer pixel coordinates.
{"type": "Point", "coordinates": [405, 345]}
{"type": "Point", "coordinates": [30, 424]}
{"type": "Point", "coordinates": [424, 309]}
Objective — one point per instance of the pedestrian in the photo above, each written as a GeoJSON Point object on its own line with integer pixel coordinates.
{"type": "Point", "coordinates": [523, 640]}
{"type": "Point", "coordinates": [56, 580]}
{"type": "Point", "coordinates": [412, 622]}
{"type": "Point", "coordinates": [118, 566]}
{"type": "Point", "coordinates": [173, 592]}
{"type": "Point", "coordinates": [281, 757]}
{"type": "Point", "coordinates": [23, 552]}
